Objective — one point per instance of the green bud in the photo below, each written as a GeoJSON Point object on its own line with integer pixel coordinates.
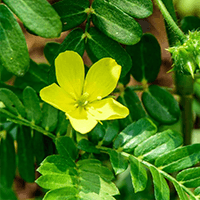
{"type": "Point", "coordinates": [187, 56]}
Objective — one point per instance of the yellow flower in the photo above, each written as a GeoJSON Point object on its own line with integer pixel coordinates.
{"type": "Point", "coordinates": [82, 99]}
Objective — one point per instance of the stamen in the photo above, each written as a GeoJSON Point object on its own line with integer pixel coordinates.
{"type": "Point", "coordinates": [82, 101]}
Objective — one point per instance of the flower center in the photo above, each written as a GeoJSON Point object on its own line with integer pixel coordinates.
{"type": "Point", "coordinates": [82, 101]}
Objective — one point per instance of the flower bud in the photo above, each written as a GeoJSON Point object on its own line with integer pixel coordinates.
{"type": "Point", "coordinates": [187, 56]}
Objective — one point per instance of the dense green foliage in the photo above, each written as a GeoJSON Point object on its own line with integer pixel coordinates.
{"type": "Point", "coordinates": [146, 148]}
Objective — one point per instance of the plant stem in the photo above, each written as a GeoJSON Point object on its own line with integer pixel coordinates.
{"type": "Point", "coordinates": [166, 175]}
{"type": "Point", "coordinates": [172, 24]}
{"type": "Point", "coordinates": [87, 25]}
{"type": "Point", "coordinates": [33, 126]}
{"type": "Point", "coordinates": [149, 165]}
{"type": "Point", "coordinates": [186, 101]}
{"type": "Point", "coordinates": [184, 83]}
{"type": "Point", "coordinates": [18, 120]}
{"type": "Point", "coordinates": [184, 87]}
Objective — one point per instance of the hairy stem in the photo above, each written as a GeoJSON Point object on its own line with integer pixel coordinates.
{"type": "Point", "coordinates": [170, 21]}
{"type": "Point", "coordinates": [184, 83]}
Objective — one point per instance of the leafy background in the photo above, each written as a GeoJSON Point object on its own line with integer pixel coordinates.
{"type": "Point", "coordinates": [153, 24]}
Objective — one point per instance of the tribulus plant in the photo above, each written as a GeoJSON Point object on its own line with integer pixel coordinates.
{"type": "Point", "coordinates": [187, 56]}
{"type": "Point", "coordinates": [77, 125]}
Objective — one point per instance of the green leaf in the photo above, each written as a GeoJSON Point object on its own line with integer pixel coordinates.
{"type": "Point", "coordinates": [56, 171]}
{"type": "Point", "coordinates": [182, 195]}
{"type": "Point", "coordinates": [62, 193]}
{"type": "Point", "coordinates": [5, 75]}
{"type": "Point", "coordinates": [66, 147]}
{"type": "Point", "coordinates": [12, 102]}
{"type": "Point", "coordinates": [49, 146]}
{"type": "Point", "coordinates": [179, 158]}
{"type": "Point", "coordinates": [190, 23]}
{"type": "Point", "coordinates": [138, 174]}
{"type": "Point", "coordinates": [87, 179]}
{"type": "Point", "coordinates": [7, 193]}
{"type": "Point", "coordinates": [197, 191]}
{"type": "Point", "coordinates": [92, 195]}
{"type": "Point", "coordinates": [111, 130]}
{"type": "Point", "coordinates": [94, 183]}
{"type": "Point", "coordinates": [118, 162]}
{"type": "Point", "coordinates": [50, 51]}
{"type": "Point", "coordinates": [97, 133]}
{"type": "Point", "coordinates": [189, 177]}
{"type": "Point", "coordinates": [13, 52]}
{"type": "Point", "coordinates": [134, 104]}
{"type": "Point", "coordinates": [134, 8]}
{"type": "Point", "coordinates": [36, 77]}
{"type": "Point", "coordinates": [104, 133]}
{"type": "Point", "coordinates": [39, 17]}
{"type": "Point", "coordinates": [161, 105]}
{"type": "Point", "coordinates": [38, 147]}
{"type": "Point", "coordinates": [87, 146]}
{"type": "Point", "coordinates": [14, 89]}
{"type": "Point", "coordinates": [7, 159]}
{"type": "Point", "coordinates": [31, 103]}
{"type": "Point", "coordinates": [74, 41]}
{"type": "Point", "coordinates": [126, 121]}
{"type": "Point", "coordinates": [115, 23]}
{"type": "Point", "coordinates": [94, 166]}
{"type": "Point", "coordinates": [58, 165]}
{"type": "Point", "coordinates": [62, 125]}
{"type": "Point", "coordinates": [25, 154]}
{"type": "Point", "coordinates": [72, 13]}
{"type": "Point", "coordinates": [126, 79]}
{"type": "Point", "coordinates": [158, 144]}
{"type": "Point", "coordinates": [54, 181]}
{"type": "Point", "coordinates": [49, 117]}
{"type": "Point", "coordinates": [134, 134]}
{"type": "Point", "coordinates": [161, 189]}
{"type": "Point", "coordinates": [100, 46]}
{"type": "Point", "coordinates": [145, 62]}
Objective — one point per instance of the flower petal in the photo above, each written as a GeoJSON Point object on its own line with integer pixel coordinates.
{"type": "Point", "coordinates": [70, 72]}
{"type": "Point", "coordinates": [102, 78]}
{"type": "Point", "coordinates": [81, 120]}
{"type": "Point", "coordinates": [107, 109]}
{"type": "Point", "coordinates": [57, 97]}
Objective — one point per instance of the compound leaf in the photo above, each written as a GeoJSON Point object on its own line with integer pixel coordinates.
{"type": "Point", "coordinates": [86, 179]}
{"type": "Point", "coordinates": [134, 134]}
